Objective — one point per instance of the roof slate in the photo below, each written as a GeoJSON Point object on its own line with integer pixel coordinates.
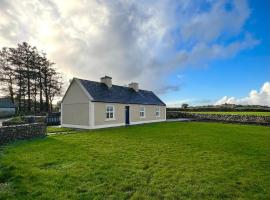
{"type": "Point", "coordinates": [6, 103]}
{"type": "Point", "coordinates": [119, 94]}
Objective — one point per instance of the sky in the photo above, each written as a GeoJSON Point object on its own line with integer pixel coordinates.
{"type": "Point", "coordinates": [186, 51]}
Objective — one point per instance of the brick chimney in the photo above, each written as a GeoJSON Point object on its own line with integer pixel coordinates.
{"type": "Point", "coordinates": [107, 81]}
{"type": "Point", "coordinates": [134, 86]}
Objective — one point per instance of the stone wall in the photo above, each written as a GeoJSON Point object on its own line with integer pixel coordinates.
{"type": "Point", "coordinates": [20, 132]}
{"type": "Point", "coordinates": [248, 119]}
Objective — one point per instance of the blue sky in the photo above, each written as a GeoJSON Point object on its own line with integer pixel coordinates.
{"type": "Point", "coordinates": [196, 52]}
{"type": "Point", "coordinates": [235, 76]}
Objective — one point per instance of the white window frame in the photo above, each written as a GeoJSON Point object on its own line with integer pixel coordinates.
{"type": "Point", "coordinates": [158, 111]}
{"type": "Point", "coordinates": [142, 110]}
{"type": "Point", "coordinates": [110, 112]}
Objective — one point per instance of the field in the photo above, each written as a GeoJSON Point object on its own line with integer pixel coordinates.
{"type": "Point", "coordinates": [236, 113]}
{"type": "Point", "coordinates": [170, 160]}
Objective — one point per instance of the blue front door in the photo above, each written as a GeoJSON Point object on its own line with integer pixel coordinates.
{"type": "Point", "coordinates": [127, 114]}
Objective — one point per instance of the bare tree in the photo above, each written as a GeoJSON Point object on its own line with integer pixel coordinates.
{"type": "Point", "coordinates": [7, 77]}
{"type": "Point", "coordinates": [26, 74]}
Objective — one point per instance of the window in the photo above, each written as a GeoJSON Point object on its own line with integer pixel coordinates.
{"type": "Point", "coordinates": [109, 112]}
{"type": "Point", "coordinates": [142, 112]}
{"type": "Point", "coordinates": [157, 111]}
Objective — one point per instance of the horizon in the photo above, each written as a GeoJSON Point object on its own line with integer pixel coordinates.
{"type": "Point", "coordinates": [203, 53]}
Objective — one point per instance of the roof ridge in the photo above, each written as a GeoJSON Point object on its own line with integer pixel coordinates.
{"type": "Point", "coordinates": [113, 85]}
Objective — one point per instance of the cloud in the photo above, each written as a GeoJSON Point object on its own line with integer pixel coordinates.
{"type": "Point", "coordinates": [255, 97]}
{"type": "Point", "coordinates": [143, 41]}
{"type": "Point", "coordinates": [224, 17]}
{"type": "Point", "coordinates": [167, 88]}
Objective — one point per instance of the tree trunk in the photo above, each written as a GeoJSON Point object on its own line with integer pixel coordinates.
{"type": "Point", "coordinates": [51, 105]}
{"type": "Point", "coordinates": [20, 94]}
{"type": "Point", "coordinates": [35, 99]}
{"type": "Point", "coordinates": [11, 92]}
{"type": "Point", "coordinates": [28, 91]}
{"type": "Point", "coordinates": [40, 92]}
{"type": "Point", "coordinates": [46, 93]}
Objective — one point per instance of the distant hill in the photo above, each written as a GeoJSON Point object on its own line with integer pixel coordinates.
{"type": "Point", "coordinates": [224, 107]}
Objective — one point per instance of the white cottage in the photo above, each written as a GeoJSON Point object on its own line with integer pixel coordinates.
{"type": "Point", "coordinates": [90, 105]}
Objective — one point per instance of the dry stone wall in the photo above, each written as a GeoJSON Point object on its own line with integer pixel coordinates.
{"type": "Point", "coordinates": [21, 132]}
{"type": "Point", "coordinates": [247, 119]}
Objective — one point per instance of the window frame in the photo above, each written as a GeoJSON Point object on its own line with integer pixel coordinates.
{"type": "Point", "coordinates": [142, 111]}
{"type": "Point", "coordinates": [158, 111]}
{"type": "Point", "coordinates": [110, 112]}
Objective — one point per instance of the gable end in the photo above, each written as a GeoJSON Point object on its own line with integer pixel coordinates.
{"type": "Point", "coordinates": [76, 93]}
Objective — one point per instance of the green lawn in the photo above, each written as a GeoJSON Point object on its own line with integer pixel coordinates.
{"type": "Point", "coordinates": [171, 160]}
{"type": "Point", "coordinates": [236, 113]}
{"type": "Point", "coordinates": [57, 129]}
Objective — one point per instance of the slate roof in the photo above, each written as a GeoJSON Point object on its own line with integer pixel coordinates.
{"type": "Point", "coordinates": [119, 94]}
{"type": "Point", "coordinates": [6, 103]}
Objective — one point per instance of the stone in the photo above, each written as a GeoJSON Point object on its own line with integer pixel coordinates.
{"type": "Point", "coordinates": [21, 132]}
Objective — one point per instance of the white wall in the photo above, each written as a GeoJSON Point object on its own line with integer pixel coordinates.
{"type": "Point", "coordinates": [75, 109]}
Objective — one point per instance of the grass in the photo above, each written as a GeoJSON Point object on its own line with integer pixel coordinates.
{"type": "Point", "coordinates": [172, 160]}
{"type": "Point", "coordinates": [57, 129]}
{"type": "Point", "coordinates": [235, 113]}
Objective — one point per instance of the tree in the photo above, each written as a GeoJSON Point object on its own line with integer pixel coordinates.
{"type": "Point", "coordinates": [52, 85]}
{"type": "Point", "coordinates": [15, 58]}
{"type": "Point", "coordinates": [184, 106]}
{"type": "Point", "coordinates": [26, 74]}
{"type": "Point", "coordinates": [7, 77]}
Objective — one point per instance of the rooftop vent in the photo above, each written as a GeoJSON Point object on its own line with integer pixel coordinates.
{"type": "Point", "coordinates": [107, 81]}
{"type": "Point", "coordinates": [134, 86]}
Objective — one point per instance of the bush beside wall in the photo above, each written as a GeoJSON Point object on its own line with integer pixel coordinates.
{"type": "Point", "coordinates": [24, 120]}
{"type": "Point", "coordinates": [249, 119]}
{"type": "Point", "coordinates": [21, 132]}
